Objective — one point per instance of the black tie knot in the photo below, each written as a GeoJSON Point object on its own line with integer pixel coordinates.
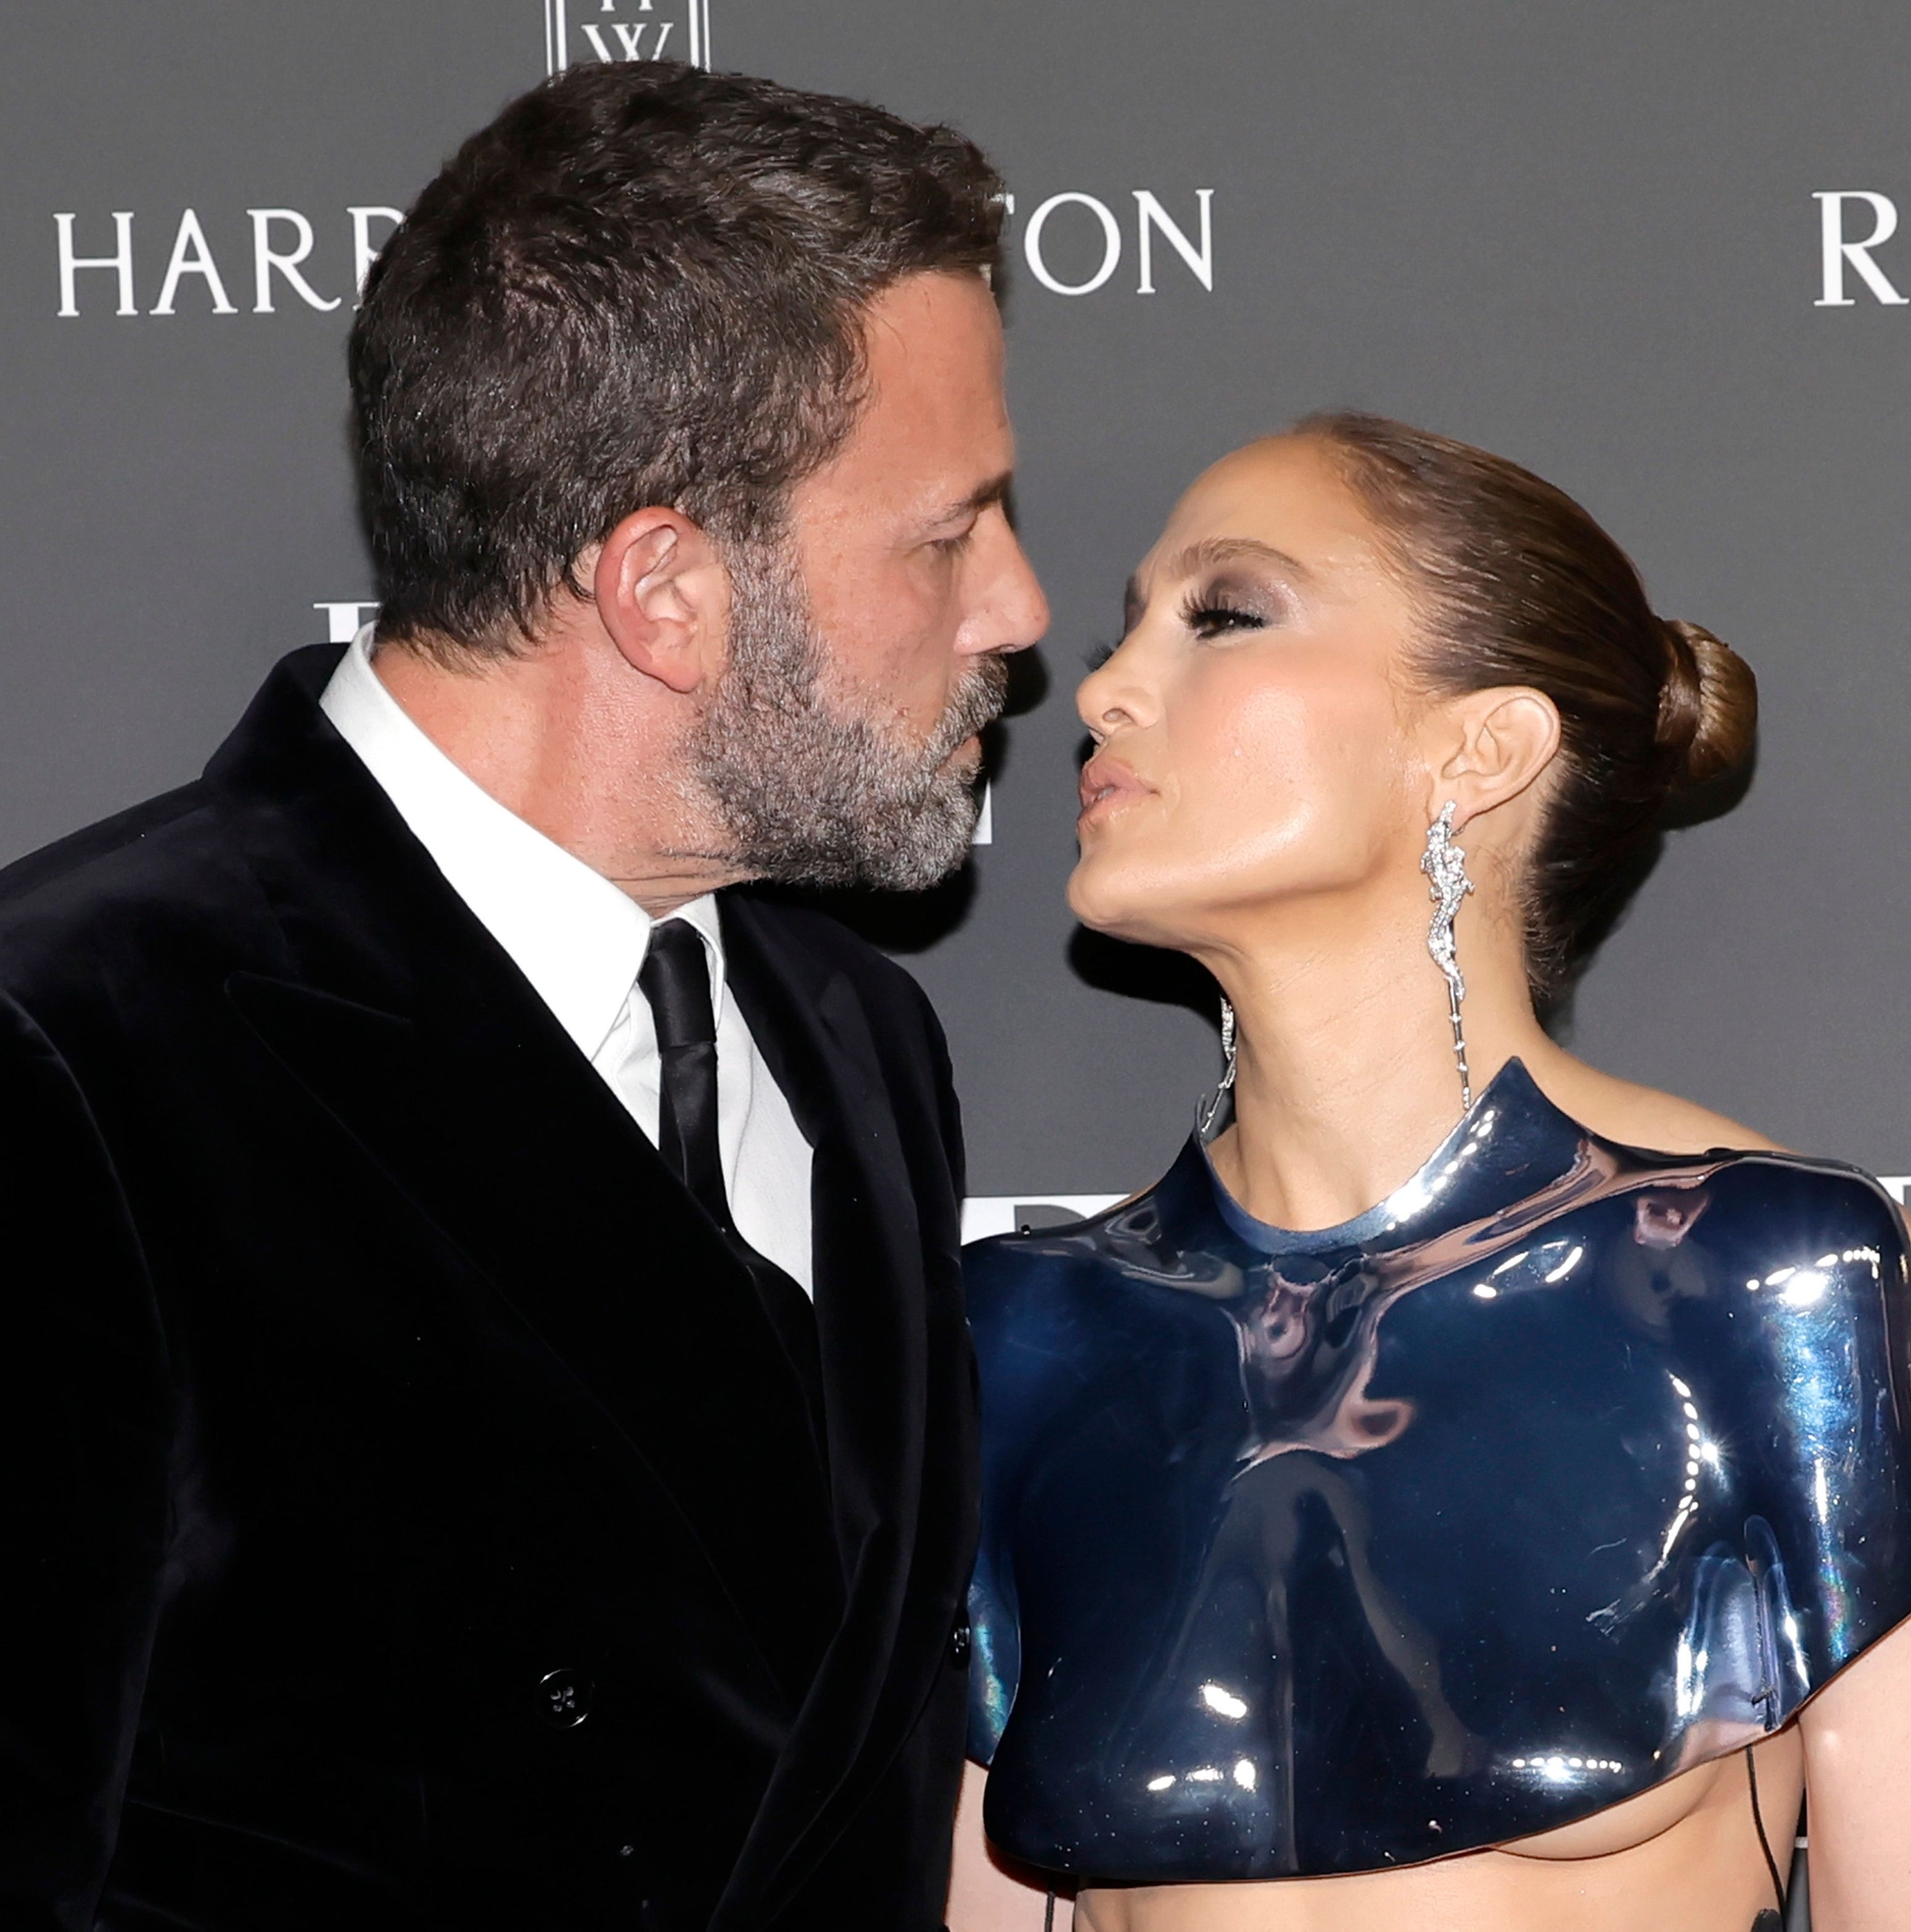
{"type": "Point", "coordinates": [676, 980]}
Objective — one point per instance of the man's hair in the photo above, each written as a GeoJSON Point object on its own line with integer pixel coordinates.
{"type": "Point", "coordinates": [641, 284]}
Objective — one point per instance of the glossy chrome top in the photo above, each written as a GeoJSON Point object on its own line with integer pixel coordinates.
{"type": "Point", "coordinates": [1564, 1468]}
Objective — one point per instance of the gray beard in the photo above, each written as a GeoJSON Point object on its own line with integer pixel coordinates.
{"type": "Point", "coordinates": [811, 795]}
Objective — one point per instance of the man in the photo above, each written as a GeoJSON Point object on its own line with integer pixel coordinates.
{"type": "Point", "coordinates": [487, 1407]}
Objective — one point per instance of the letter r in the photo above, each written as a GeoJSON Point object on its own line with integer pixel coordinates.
{"type": "Point", "coordinates": [1835, 252]}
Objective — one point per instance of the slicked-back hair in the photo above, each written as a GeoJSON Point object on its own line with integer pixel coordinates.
{"type": "Point", "coordinates": [641, 285]}
{"type": "Point", "coordinates": [1517, 585]}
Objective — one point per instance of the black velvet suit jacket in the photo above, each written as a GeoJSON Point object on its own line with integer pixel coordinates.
{"type": "Point", "coordinates": [410, 1516]}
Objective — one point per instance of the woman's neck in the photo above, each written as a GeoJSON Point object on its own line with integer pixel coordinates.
{"type": "Point", "coordinates": [1346, 1080]}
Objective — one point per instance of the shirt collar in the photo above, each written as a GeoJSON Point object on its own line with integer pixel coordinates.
{"type": "Point", "coordinates": [577, 938]}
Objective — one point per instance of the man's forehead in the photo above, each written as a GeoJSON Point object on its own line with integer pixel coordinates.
{"type": "Point", "coordinates": [931, 299]}
{"type": "Point", "coordinates": [933, 347]}
{"type": "Point", "coordinates": [932, 437]}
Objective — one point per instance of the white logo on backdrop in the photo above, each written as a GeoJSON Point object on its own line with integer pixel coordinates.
{"type": "Point", "coordinates": [344, 621]}
{"type": "Point", "coordinates": [1088, 227]}
{"type": "Point", "coordinates": [626, 30]}
{"type": "Point", "coordinates": [1845, 215]}
{"type": "Point", "coordinates": [1073, 242]}
{"type": "Point", "coordinates": [273, 272]}
{"type": "Point", "coordinates": [1021, 1214]}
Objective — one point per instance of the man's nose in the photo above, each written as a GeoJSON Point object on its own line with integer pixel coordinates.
{"type": "Point", "coordinates": [1018, 608]}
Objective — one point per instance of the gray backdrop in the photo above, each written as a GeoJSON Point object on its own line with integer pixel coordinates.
{"type": "Point", "coordinates": [1593, 237]}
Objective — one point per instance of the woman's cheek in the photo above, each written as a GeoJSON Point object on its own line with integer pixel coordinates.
{"type": "Point", "coordinates": [1260, 743]}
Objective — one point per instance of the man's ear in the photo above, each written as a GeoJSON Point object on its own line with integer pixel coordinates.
{"type": "Point", "coordinates": [1499, 743]}
{"type": "Point", "coordinates": [663, 597]}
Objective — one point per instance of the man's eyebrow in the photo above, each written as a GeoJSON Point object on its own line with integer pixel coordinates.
{"type": "Point", "coordinates": [983, 496]}
{"type": "Point", "coordinates": [1207, 554]}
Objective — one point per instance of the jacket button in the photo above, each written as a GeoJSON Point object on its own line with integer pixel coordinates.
{"type": "Point", "coordinates": [564, 1698]}
{"type": "Point", "coordinates": [959, 1645]}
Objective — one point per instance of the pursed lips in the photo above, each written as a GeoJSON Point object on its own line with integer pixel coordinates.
{"type": "Point", "coordinates": [1107, 785]}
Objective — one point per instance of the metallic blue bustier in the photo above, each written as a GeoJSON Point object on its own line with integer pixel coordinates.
{"type": "Point", "coordinates": [1565, 1467]}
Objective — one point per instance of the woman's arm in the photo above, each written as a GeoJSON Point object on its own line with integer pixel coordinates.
{"type": "Point", "coordinates": [1857, 1736]}
{"type": "Point", "coordinates": [984, 1896]}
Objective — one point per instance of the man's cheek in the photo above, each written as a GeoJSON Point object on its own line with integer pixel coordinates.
{"type": "Point", "coordinates": [940, 674]}
{"type": "Point", "coordinates": [917, 657]}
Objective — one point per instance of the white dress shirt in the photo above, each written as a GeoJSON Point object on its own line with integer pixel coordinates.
{"type": "Point", "coordinates": [579, 940]}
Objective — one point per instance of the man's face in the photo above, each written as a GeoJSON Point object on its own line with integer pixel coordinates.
{"type": "Point", "coordinates": [867, 646]}
{"type": "Point", "coordinates": [902, 540]}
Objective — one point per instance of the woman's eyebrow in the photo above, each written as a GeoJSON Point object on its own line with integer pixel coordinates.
{"type": "Point", "coordinates": [1209, 553]}
{"type": "Point", "coordinates": [1212, 550]}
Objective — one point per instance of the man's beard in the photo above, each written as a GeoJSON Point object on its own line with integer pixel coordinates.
{"type": "Point", "coordinates": [814, 795]}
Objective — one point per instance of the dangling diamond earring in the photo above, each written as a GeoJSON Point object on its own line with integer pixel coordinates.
{"type": "Point", "coordinates": [1444, 865]}
{"type": "Point", "coordinates": [1227, 1048]}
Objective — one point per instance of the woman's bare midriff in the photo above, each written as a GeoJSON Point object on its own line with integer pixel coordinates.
{"type": "Point", "coordinates": [1686, 1855]}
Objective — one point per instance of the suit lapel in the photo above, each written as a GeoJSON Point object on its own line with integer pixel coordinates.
{"type": "Point", "coordinates": [897, 1428]}
{"type": "Point", "coordinates": [404, 1018]}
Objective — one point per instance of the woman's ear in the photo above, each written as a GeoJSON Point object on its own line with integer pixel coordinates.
{"type": "Point", "coordinates": [662, 595]}
{"type": "Point", "coordinates": [1499, 743]}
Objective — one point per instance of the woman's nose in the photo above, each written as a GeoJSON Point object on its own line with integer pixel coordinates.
{"type": "Point", "coordinates": [1110, 697]}
{"type": "Point", "coordinates": [1089, 708]}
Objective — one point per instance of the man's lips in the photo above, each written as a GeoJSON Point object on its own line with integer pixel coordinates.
{"type": "Point", "coordinates": [1107, 785]}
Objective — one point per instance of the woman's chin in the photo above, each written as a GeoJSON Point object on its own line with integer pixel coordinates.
{"type": "Point", "coordinates": [1114, 903]}
{"type": "Point", "coordinates": [1087, 896]}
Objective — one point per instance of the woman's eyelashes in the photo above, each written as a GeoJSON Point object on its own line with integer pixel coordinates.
{"type": "Point", "coordinates": [1213, 612]}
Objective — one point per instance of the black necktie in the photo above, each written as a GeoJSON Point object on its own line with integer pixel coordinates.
{"type": "Point", "coordinates": [676, 980]}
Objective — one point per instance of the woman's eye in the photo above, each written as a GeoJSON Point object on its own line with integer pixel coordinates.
{"type": "Point", "coordinates": [1215, 619]}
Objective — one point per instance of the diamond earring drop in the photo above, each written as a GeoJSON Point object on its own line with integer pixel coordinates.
{"type": "Point", "coordinates": [1229, 1051]}
{"type": "Point", "coordinates": [1445, 864]}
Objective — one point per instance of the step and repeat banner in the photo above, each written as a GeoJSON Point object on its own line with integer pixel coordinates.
{"type": "Point", "coordinates": [1653, 250]}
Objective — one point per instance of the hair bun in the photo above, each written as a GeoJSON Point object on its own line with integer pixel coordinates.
{"type": "Point", "coordinates": [1709, 706]}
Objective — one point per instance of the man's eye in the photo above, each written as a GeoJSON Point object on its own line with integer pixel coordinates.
{"type": "Point", "coordinates": [953, 546]}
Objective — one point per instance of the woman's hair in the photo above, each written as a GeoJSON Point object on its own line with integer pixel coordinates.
{"type": "Point", "coordinates": [1518, 586]}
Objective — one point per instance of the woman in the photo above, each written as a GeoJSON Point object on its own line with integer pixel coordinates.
{"type": "Point", "coordinates": [1516, 1552]}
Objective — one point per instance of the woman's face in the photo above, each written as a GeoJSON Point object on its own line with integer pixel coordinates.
{"type": "Point", "coordinates": [1256, 745]}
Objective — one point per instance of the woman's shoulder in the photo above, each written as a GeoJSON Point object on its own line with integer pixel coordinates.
{"type": "Point", "coordinates": [1806, 1223]}
{"type": "Point", "coordinates": [1637, 1116]}
{"type": "Point", "coordinates": [1782, 1188]}
{"type": "Point", "coordinates": [1644, 1118]}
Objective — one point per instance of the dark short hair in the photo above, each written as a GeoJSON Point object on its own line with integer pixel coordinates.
{"type": "Point", "coordinates": [641, 284]}
{"type": "Point", "coordinates": [1516, 584]}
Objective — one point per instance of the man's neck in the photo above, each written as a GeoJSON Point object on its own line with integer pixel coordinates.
{"type": "Point", "coordinates": [568, 740]}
